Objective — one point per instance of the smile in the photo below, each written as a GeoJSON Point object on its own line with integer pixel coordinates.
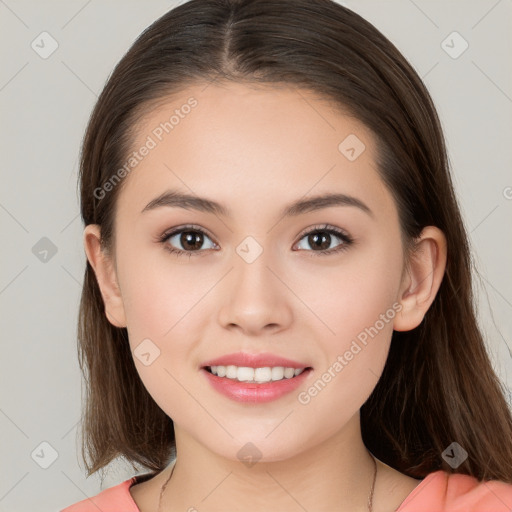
{"type": "Point", "coordinates": [255, 375]}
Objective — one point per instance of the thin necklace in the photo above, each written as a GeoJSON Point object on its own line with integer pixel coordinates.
{"type": "Point", "coordinates": [370, 496]}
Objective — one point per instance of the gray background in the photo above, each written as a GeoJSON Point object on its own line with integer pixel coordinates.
{"type": "Point", "coordinates": [45, 104]}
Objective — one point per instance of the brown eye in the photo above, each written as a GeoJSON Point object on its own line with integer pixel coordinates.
{"type": "Point", "coordinates": [186, 240]}
{"type": "Point", "coordinates": [320, 240]}
{"type": "Point", "coordinates": [191, 240]}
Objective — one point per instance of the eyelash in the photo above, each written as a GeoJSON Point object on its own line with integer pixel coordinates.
{"type": "Point", "coordinates": [326, 228]}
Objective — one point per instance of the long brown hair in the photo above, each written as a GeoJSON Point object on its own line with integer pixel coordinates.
{"type": "Point", "coordinates": [438, 385]}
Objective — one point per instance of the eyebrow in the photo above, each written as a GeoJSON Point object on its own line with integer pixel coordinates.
{"type": "Point", "coordinates": [176, 199]}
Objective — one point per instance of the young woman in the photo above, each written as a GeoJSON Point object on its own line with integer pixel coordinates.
{"type": "Point", "coordinates": [277, 311]}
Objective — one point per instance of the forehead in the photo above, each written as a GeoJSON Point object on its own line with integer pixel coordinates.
{"type": "Point", "coordinates": [236, 141]}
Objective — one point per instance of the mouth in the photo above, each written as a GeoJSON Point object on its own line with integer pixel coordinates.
{"type": "Point", "coordinates": [260, 375]}
{"type": "Point", "coordinates": [255, 378]}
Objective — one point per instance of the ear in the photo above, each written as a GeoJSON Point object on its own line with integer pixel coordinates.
{"type": "Point", "coordinates": [106, 276]}
{"type": "Point", "coordinates": [423, 279]}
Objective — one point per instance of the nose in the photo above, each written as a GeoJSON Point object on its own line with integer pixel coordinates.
{"type": "Point", "coordinates": [254, 299]}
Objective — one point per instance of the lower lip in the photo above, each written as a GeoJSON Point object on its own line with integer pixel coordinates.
{"type": "Point", "coordinates": [255, 393]}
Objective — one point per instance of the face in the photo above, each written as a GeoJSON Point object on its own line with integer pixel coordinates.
{"type": "Point", "coordinates": [316, 284]}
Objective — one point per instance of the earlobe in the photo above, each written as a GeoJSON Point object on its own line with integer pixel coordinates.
{"type": "Point", "coordinates": [427, 265]}
{"type": "Point", "coordinates": [105, 275]}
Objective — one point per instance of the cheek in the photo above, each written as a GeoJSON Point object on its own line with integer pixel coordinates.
{"type": "Point", "coordinates": [164, 303]}
{"type": "Point", "coordinates": [162, 311]}
{"type": "Point", "coordinates": [356, 302]}
{"type": "Point", "coordinates": [351, 295]}
{"type": "Point", "coordinates": [157, 292]}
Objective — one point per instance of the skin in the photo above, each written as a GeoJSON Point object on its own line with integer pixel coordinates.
{"type": "Point", "coordinates": [255, 150]}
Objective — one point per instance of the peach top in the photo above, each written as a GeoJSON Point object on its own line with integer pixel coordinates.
{"type": "Point", "coordinates": [437, 492]}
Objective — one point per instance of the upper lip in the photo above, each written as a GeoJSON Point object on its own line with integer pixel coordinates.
{"type": "Point", "coordinates": [254, 361]}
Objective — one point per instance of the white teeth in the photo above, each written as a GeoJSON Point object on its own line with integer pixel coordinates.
{"type": "Point", "coordinates": [289, 373]}
{"type": "Point", "coordinates": [263, 374]}
{"type": "Point", "coordinates": [230, 372]}
{"type": "Point", "coordinates": [277, 373]}
{"type": "Point", "coordinates": [245, 374]}
{"type": "Point", "coordinates": [259, 375]}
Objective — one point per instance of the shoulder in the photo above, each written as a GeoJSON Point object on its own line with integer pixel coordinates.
{"type": "Point", "coordinates": [113, 499]}
{"type": "Point", "coordinates": [445, 492]}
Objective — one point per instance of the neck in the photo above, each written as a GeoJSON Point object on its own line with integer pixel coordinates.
{"type": "Point", "coordinates": [336, 475]}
